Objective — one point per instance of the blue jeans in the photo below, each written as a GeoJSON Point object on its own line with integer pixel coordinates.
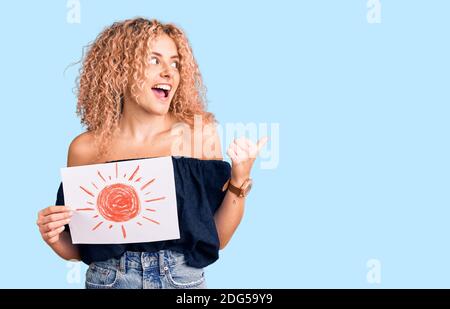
{"type": "Point", "coordinates": [165, 269]}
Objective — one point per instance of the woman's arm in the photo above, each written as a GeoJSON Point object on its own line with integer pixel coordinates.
{"type": "Point", "coordinates": [228, 216]}
{"type": "Point", "coordinates": [51, 220]}
{"type": "Point", "coordinates": [243, 153]}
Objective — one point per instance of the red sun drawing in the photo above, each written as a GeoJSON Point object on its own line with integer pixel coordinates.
{"type": "Point", "coordinates": [118, 202]}
{"type": "Point", "coordinates": [119, 199]}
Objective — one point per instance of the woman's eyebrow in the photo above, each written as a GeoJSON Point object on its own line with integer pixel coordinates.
{"type": "Point", "coordinates": [159, 55]}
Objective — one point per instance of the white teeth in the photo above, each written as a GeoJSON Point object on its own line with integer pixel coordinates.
{"type": "Point", "coordinates": [163, 87]}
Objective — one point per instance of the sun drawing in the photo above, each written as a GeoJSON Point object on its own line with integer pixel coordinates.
{"type": "Point", "coordinates": [118, 199]}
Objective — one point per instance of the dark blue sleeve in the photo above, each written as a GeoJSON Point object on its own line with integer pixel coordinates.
{"type": "Point", "coordinates": [60, 196]}
{"type": "Point", "coordinates": [199, 194]}
{"type": "Point", "coordinates": [215, 176]}
{"type": "Point", "coordinates": [60, 202]}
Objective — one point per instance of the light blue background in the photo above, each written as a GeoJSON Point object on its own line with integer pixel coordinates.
{"type": "Point", "coordinates": [364, 150]}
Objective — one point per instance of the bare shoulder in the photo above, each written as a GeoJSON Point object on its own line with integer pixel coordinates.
{"type": "Point", "coordinates": [211, 143]}
{"type": "Point", "coordinates": [200, 142]}
{"type": "Point", "coordinates": [82, 150]}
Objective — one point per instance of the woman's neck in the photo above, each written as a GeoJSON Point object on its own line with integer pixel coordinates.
{"type": "Point", "coordinates": [139, 125]}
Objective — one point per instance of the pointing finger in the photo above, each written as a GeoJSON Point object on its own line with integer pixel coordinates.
{"type": "Point", "coordinates": [261, 143]}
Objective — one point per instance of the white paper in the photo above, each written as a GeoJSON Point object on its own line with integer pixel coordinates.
{"type": "Point", "coordinates": [122, 202]}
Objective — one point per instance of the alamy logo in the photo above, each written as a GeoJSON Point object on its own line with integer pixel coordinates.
{"type": "Point", "coordinates": [373, 11]}
{"type": "Point", "coordinates": [374, 274]}
{"type": "Point", "coordinates": [73, 13]}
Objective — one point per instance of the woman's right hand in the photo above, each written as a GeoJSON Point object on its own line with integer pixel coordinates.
{"type": "Point", "coordinates": [51, 221]}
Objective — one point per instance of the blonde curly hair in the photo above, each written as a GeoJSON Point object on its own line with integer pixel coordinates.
{"type": "Point", "coordinates": [116, 61]}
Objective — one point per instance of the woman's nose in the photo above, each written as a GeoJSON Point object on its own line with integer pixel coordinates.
{"type": "Point", "coordinates": [166, 72]}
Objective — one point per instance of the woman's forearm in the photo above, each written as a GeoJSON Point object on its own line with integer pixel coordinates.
{"type": "Point", "coordinates": [64, 247]}
{"type": "Point", "coordinates": [228, 217]}
{"type": "Point", "coordinates": [243, 153]}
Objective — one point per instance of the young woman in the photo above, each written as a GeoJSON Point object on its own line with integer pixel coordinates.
{"type": "Point", "coordinates": [141, 95]}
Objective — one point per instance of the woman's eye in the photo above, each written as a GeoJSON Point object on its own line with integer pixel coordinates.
{"type": "Point", "coordinates": [153, 60]}
{"type": "Point", "coordinates": [175, 65]}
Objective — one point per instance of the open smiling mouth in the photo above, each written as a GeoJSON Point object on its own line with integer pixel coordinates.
{"type": "Point", "coordinates": [161, 91]}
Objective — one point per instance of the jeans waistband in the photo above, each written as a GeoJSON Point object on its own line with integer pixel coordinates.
{"type": "Point", "coordinates": [146, 260]}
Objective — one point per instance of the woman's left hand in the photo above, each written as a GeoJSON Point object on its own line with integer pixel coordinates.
{"type": "Point", "coordinates": [243, 152]}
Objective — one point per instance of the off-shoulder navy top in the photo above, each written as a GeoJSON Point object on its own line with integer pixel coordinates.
{"type": "Point", "coordinates": [198, 185]}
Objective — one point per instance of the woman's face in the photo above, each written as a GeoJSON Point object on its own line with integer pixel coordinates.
{"type": "Point", "coordinates": [162, 76]}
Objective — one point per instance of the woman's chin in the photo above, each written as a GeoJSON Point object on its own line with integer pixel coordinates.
{"type": "Point", "coordinates": [156, 106]}
{"type": "Point", "coordinates": [159, 109]}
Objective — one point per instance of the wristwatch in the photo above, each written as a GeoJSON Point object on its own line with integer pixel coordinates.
{"type": "Point", "coordinates": [241, 191]}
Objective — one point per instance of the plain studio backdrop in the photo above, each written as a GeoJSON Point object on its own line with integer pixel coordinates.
{"type": "Point", "coordinates": [359, 194]}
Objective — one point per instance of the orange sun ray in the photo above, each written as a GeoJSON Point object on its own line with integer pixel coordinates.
{"type": "Point", "coordinates": [148, 193]}
{"type": "Point", "coordinates": [150, 220]}
{"type": "Point", "coordinates": [124, 232]}
{"type": "Point", "coordinates": [155, 199]}
{"type": "Point", "coordinates": [117, 171]}
{"type": "Point", "coordinates": [88, 209]}
{"type": "Point", "coordinates": [94, 186]}
{"type": "Point", "coordinates": [139, 223]}
{"type": "Point", "coordinates": [100, 223]}
{"type": "Point", "coordinates": [148, 183]}
{"type": "Point", "coordinates": [96, 216]}
{"type": "Point", "coordinates": [111, 226]}
{"type": "Point", "coordinates": [149, 209]}
{"type": "Point", "coordinates": [85, 190]}
{"type": "Point", "coordinates": [101, 176]}
{"type": "Point", "coordinates": [90, 203]}
{"type": "Point", "coordinates": [137, 180]}
{"type": "Point", "coordinates": [134, 173]}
